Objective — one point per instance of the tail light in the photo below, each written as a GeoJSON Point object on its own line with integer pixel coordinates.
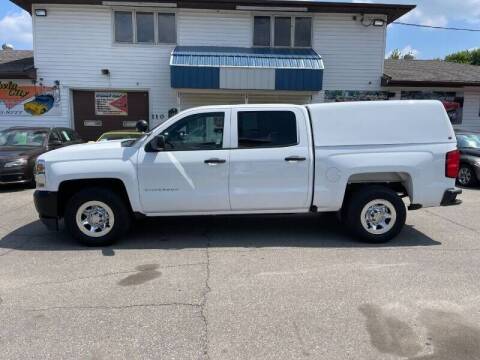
{"type": "Point", "coordinates": [452, 164]}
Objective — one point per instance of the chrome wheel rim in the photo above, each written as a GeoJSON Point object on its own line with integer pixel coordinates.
{"type": "Point", "coordinates": [95, 218]}
{"type": "Point", "coordinates": [464, 176]}
{"type": "Point", "coordinates": [378, 216]}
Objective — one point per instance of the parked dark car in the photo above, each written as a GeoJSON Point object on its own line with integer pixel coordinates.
{"type": "Point", "coordinates": [469, 146]}
{"type": "Point", "coordinates": [20, 147]}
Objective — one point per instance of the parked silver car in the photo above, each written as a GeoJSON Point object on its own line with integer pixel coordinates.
{"type": "Point", "coordinates": [469, 146]}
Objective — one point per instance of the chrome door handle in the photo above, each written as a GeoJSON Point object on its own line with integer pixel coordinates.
{"type": "Point", "coordinates": [215, 161]}
{"type": "Point", "coordinates": [295, 158]}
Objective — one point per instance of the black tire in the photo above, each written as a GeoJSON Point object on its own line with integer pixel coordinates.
{"type": "Point", "coordinates": [358, 201]}
{"type": "Point", "coordinates": [468, 180]}
{"type": "Point", "coordinates": [121, 216]}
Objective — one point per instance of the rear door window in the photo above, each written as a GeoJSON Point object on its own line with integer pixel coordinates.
{"type": "Point", "coordinates": [259, 129]}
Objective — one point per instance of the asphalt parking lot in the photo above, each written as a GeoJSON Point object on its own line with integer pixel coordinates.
{"type": "Point", "coordinates": [273, 287]}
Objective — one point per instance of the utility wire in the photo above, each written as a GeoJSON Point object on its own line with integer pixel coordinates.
{"type": "Point", "coordinates": [435, 27]}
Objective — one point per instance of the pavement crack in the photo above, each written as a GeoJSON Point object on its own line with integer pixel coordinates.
{"type": "Point", "coordinates": [203, 303]}
{"type": "Point", "coordinates": [104, 275]}
{"type": "Point", "coordinates": [120, 307]}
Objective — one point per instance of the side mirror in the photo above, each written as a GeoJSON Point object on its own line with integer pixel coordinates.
{"type": "Point", "coordinates": [142, 126]}
{"type": "Point", "coordinates": [54, 143]}
{"type": "Point", "coordinates": [158, 143]}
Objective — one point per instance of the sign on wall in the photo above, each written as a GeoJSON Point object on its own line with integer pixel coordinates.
{"type": "Point", "coordinates": [354, 95]}
{"type": "Point", "coordinates": [18, 99]}
{"type": "Point", "coordinates": [452, 101]}
{"type": "Point", "coordinates": [111, 103]}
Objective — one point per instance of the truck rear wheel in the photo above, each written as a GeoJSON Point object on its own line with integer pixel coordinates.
{"type": "Point", "coordinates": [375, 214]}
{"type": "Point", "coordinates": [96, 217]}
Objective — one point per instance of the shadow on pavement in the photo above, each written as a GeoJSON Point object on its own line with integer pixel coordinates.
{"type": "Point", "coordinates": [315, 231]}
{"type": "Point", "coordinates": [10, 188]}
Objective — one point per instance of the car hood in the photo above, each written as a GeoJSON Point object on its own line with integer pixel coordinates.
{"type": "Point", "coordinates": [12, 152]}
{"type": "Point", "coordinates": [89, 151]}
{"type": "Point", "coordinates": [471, 152]}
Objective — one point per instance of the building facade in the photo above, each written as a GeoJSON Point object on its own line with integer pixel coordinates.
{"type": "Point", "coordinates": [107, 64]}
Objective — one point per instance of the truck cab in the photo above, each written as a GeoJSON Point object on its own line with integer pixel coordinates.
{"type": "Point", "coordinates": [251, 159]}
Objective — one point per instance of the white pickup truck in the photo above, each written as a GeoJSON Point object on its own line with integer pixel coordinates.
{"type": "Point", "coordinates": [358, 159]}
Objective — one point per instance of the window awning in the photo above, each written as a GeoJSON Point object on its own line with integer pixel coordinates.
{"type": "Point", "coordinates": [208, 67]}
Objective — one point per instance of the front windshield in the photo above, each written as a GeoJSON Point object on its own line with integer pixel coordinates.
{"type": "Point", "coordinates": [23, 137]}
{"type": "Point", "coordinates": [471, 141]}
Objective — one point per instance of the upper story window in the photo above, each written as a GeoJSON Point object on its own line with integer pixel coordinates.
{"type": "Point", "coordinates": [123, 26]}
{"type": "Point", "coordinates": [143, 27]}
{"type": "Point", "coordinates": [282, 31]}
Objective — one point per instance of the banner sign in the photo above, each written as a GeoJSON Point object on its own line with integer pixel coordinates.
{"type": "Point", "coordinates": [111, 103]}
{"type": "Point", "coordinates": [28, 100]}
{"type": "Point", "coordinates": [452, 101]}
{"type": "Point", "coordinates": [353, 95]}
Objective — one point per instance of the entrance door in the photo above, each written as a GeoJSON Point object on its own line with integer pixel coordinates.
{"type": "Point", "coordinates": [270, 160]}
{"type": "Point", "coordinates": [96, 112]}
{"type": "Point", "coordinates": [191, 173]}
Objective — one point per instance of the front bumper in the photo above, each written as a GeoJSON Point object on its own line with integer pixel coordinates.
{"type": "Point", "coordinates": [14, 176]}
{"type": "Point", "coordinates": [450, 197]}
{"type": "Point", "coordinates": [46, 203]}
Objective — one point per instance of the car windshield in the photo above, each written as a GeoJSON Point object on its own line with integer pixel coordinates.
{"type": "Point", "coordinates": [118, 136]}
{"type": "Point", "coordinates": [469, 141]}
{"type": "Point", "coordinates": [23, 137]}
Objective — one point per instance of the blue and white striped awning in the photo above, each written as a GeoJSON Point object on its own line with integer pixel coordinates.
{"type": "Point", "coordinates": [210, 67]}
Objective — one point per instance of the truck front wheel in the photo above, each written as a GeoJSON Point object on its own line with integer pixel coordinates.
{"type": "Point", "coordinates": [96, 217]}
{"type": "Point", "coordinates": [375, 214]}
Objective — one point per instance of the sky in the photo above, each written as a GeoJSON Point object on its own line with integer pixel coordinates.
{"type": "Point", "coordinates": [15, 27]}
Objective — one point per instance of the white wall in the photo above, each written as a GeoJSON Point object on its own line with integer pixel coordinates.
{"type": "Point", "coordinates": [353, 54]}
{"type": "Point", "coordinates": [471, 109]}
{"type": "Point", "coordinates": [73, 43]}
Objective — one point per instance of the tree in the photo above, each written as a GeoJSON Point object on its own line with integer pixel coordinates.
{"type": "Point", "coordinates": [395, 55]}
{"type": "Point", "coordinates": [398, 55]}
{"type": "Point", "coordinates": [471, 57]}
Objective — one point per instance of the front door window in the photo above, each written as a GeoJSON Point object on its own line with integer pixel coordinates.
{"type": "Point", "coordinates": [196, 132]}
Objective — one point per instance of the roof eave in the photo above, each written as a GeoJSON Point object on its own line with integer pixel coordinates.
{"type": "Point", "coordinates": [11, 75]}
{"type": "Point", "coordinates": [392, 11]}
{"type": "Point", "coordinates": [414, 83]}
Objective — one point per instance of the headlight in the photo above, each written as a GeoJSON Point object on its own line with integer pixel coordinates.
{"type": "Point", "coordinates": [40, 177]}
{"type": "Point", "coordinates": [16, 163]}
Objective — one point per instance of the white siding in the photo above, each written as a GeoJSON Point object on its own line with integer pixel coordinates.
{"type": "Point", "coordinates": [353, 54]}
{"type": "Point", "coordinates": [471, 109]}
{"type": "Point", "coordinates": [73, 43]}
{"type": "Point", "coordinates": [214, 28]}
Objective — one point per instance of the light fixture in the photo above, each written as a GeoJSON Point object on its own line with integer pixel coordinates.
{"type": "Point", "coordinates": [378, 22]}
{"type": "Point", "coordinates": [40, 12]}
